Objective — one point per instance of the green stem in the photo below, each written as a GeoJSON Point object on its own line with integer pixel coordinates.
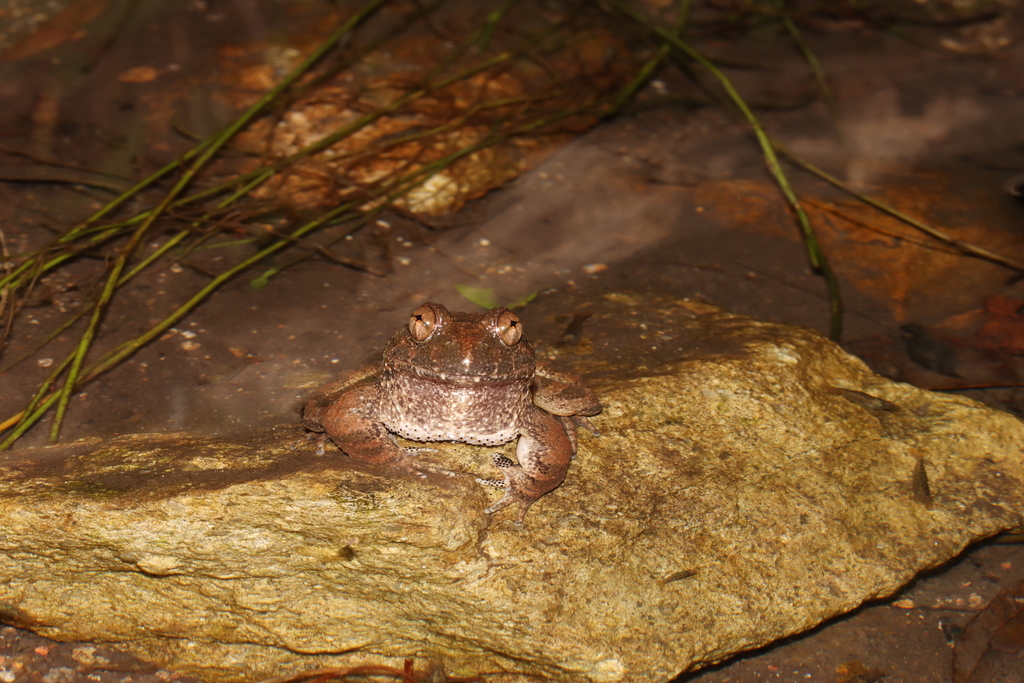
{"type": "Point", "coordinates": [209, 149]}
{"type": "Point", "coordinates": [203, 153]}
{"type": "Point", "coordinates": [205, 150]}
{"type": "Point", "coordinates": [812, 62]}
{"type": "Point", "coordinates": [33, 413]}
{"type": "Point", "coordinates": [129, 193]}
{"type": "Point", "coordinates": [814, 253]}
{"type": "Point", "coordinates": [30, 415]}
{"type": "Point", "coordinates": [965, 247]}
{"type": "Point", "coordinates": [126, 349]}
{"type": "Point", "coordinates": [28, 419]}
{"type": "Point", "coordinates": [259, 175]}
{"type": "Point", "coordinates": [9, 279]}
{"type": "Point", "coordinates": [85, 342]}
{"type": "Point", "coordinates": [49, 338]}
{"type": "Point", "coordinates": [486, 32]}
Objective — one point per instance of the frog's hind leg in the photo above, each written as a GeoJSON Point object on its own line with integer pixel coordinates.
{"type": "Point", "coordinates": [570, 423]}
{"type": "Point", "coordinates": [352, 423]}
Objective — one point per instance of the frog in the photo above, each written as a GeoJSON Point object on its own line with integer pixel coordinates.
{"type": "Point", "coordinates": [462, 377]}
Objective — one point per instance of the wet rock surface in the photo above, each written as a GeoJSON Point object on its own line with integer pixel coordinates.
{"type": "Point", "coordinates": [746, 489]}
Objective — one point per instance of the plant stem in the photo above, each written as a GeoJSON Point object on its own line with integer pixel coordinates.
{"type": "Point", "coordinates": [964, 247]}
{"type": "Point", "coordinates": [116, 355]}
{"type": "Point", "coordinates": [814, 253]}
{"type": "Point", "coordinates": [812, 61]}
{"type": "Point", "coordinates": [204, 152]}
{"type": "Point", "coordinates": [99, 309]}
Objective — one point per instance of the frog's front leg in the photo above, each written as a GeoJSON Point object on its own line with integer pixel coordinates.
{"type": "Point", "coordinates": [564, 395]}
{"type": "Point", "coordinates": [350, 420]}
{"type": "Point", "coordinates": [544, 452]}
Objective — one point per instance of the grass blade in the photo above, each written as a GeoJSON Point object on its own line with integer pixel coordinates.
{"type": "Point", "coordinates": [814, 253]}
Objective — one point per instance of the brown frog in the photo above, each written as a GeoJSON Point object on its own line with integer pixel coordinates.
{"type": "Point", "coordinates": [473, 378]}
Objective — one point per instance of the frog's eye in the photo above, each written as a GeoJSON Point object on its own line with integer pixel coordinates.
{"type": "Point", "coordinates": [509, 328]}
{"type": "Point", "coordinates": [423, 322]}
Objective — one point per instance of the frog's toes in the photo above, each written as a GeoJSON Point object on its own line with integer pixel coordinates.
{"type": "Point", "coordinates": [420, 469]}
{"type": "Point", "coordinates": [435, 470]}
{"type": "Point", "coordinates": [416, 450]}
{"type": "Point", "coordinates": [513, 494]}
{"type": "Point", "coordinates": [582, 421]}
{"type": "Point", "coordinates": [511, 497]}
{"type": "Point", "coordinates": [505, 501]}
{"type": "Point", "coordinates": [503, 462]}
{"type": "Point", "coordinates": [409, 467]}
{"type": "Point", "coordinates": [319, 440]}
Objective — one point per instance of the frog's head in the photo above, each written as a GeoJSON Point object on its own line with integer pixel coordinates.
{"type": "Point", "coordinates": [462, 347]}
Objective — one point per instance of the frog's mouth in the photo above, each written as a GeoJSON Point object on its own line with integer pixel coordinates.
{"type": "Point", "coordinates": [520, 374]}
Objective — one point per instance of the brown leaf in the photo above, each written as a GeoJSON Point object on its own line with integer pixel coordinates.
{"type": "Point", "coordinates": [1004, 329]}
{"type": "Point", "coordinates": [855, 672]}
{"type": "Point", "coordinates": [138, 74]}
{"type": "Point", "coordinates": [63, 27]}
{"type": "Point", "coordinates": [965, 359]}
{"type": "Point", "coordinates": [991, 648]}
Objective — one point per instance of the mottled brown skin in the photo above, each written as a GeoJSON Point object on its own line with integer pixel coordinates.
{"type": "Point", "coordinates": [472, 378]}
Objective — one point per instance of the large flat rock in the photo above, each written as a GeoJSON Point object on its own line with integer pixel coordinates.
{"type": "Point", "coordinates": [760, 484]}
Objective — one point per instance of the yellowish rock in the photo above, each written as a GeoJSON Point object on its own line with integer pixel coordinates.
{"type": "Point", "coordinates": [733, 498]}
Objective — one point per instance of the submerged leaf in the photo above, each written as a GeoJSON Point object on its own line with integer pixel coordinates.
{"type": "Point", "coordinates": [263, 280]}
{"type": "Point", "coordinates": [65, 26]}
{"type": "Point", "coordinates": [481, 296]}
{"type": "Point", "coordinates": [991, 648]}
{"type": "Point", "coordinates": [522, 301]}
{"type": "Point", "coordinates": [486, 298]}
{"type": "Point", "coordinates": [1003, 330]}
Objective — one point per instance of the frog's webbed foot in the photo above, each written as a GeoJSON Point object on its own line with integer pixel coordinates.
{"type": "Point", "coordinates": [570, 423]}
{"type": "Point", "coordinates": [513, 484]}
{"type": "Point", "coordinates": [583, 421]}
{"type": "Point", "coordinates": [504, 463]}
{"type": "Point", "coordinates": [416, 450]}
{"type": "Point", "coordinates": [419, 469]}
{"type": "Point", "coordinates": [406, 464]}
{"type": "Point", "coordinates": [319, 439]}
